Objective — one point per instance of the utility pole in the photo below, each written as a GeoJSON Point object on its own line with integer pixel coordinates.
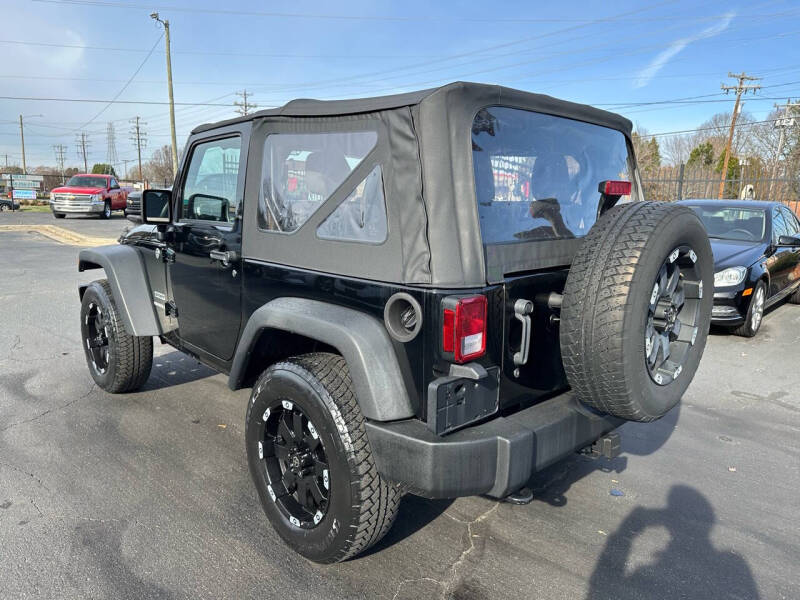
{"type": "Point", "coordinates": [22, 136]}
{"type": "Point", "coordinates": [165, 23]}
{"type": "Point", "coordinates": [244, 107]}
{"type": "Point", "coordinates": [740, 88]}
{"type": "Point", "coordinates": [125, 162]}
{"type": "Point", "coordinates": [138, 137]}
{"type": "Point", "coordinates": [782, 123]}
{"type": "Point", "coordinates": [83, 144]}
{"type": "Point", "coordinates": [60, 150]}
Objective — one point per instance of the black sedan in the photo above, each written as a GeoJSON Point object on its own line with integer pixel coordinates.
{"type": "Point", "coordinates": [756, 249]}
{"type": "Point", "coordinates": [8, 204]}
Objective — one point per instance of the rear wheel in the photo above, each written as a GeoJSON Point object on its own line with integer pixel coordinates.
{"type": "Point", "coordinates": [118, 362]}
{"type": "Point", "coordinates": [634, 317]}
{"type": "Point", "coordinates": [311, 461]}
{"type": "Point", "coordinates": [755, 313]}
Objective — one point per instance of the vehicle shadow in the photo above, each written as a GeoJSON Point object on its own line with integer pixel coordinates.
{"type": "Point", "coordinates": [638, 439]}
{"type": "Point", "coordinates": [414, 514]}
{"type": "Point", "coordinates": [175, 368]}
{"type": "Point", "coordinates": [689, 566]}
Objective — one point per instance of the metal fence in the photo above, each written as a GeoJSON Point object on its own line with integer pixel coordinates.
{"type": "Point", "coordinates": [681, 182]}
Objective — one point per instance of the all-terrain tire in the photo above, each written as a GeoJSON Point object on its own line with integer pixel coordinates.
{"type": "Point", "coordinates": [606, 303]}
{"type": "Point", "coordinates": [755, 313]}
{"type": "Point", "coordinates": [361, 506]}
{"type": "Point", "coordinates": [130, 357]}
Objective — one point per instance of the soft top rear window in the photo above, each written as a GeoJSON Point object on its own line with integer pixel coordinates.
{"type": "Point", "coordinates": [537, 175]}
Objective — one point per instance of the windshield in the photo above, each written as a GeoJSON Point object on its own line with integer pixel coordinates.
{"type": "Point", "coordinates": [746, 224]}
{"type": "Point", "coordinates": [86, 181]}
{"type": "Point", "coordinates": [537, 175]}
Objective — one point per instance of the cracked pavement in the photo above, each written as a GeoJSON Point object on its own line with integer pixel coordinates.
{"type": "Point", "coordinates": [147, 495]}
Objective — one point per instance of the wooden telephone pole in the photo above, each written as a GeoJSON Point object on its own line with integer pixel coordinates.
{"type": "Point", "coordinates": [740, 88]}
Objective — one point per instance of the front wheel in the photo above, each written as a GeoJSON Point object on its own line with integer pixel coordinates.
{"type": "Point", "coordinates": [106, 214]}
{"type": "Point", "coordinates": [118, 362]}
{"type": "Point", "coordinates": [311, 461]}
{"type": "Point", "coordinates": [59, 215]}
{"type": "Point", "coordinates": [755, 313]}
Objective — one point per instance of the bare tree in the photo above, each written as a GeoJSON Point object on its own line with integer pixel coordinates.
{"type": "Point", "coordinates": [675, 149]}
{"type": "Point", "coordinates": [158, 169]}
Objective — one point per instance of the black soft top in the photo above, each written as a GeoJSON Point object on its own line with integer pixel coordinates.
{"type": "Point", "coordinates": [425, 153]}
{"type": "Point", "coordinates": [461, 92]}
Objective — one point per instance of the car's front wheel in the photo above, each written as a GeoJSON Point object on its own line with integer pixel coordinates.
{"type": "Point", "coordinates": [106, 214]}
{"type": "Point", "coordinates": [311, 461]}
{"type": "Point", "coordinates": [118, 362]}
{"type": "Point", "coordinates": [755, 313]}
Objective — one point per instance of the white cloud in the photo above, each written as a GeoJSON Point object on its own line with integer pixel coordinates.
{"type": "Point", "coordinates": [645, 75]}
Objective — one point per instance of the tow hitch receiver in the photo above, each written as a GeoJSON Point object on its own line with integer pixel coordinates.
{"type": "Point", "coordinates": [609, 445]}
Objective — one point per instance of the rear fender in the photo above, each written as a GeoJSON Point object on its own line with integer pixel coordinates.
{"type": "Point", "coordinates": [362, 340]}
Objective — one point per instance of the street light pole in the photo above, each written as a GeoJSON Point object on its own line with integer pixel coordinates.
{"type": "Point", "coordinates": [165, 23]}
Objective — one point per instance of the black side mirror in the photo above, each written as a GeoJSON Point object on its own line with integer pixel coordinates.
{"type": "Point", "coordinates": [788, 240]}
{"type": "Point", "coordinates": [156, 207]}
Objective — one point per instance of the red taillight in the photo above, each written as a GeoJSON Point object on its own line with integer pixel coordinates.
{"type": "Point", "coordinates": [615, 188]}
{"type": "Point", "coordinates": [464, 327]}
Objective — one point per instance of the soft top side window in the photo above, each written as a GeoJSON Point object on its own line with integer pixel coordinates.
{"type": "Point", "coordinates": [361, 217]}
{"type": "Point", "coordinates": [302, 170]}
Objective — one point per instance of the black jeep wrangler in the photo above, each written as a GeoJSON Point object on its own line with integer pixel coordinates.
{"type": "Point", "coordinates": [438, 293]}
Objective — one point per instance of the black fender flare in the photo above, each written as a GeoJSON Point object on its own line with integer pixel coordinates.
{"type": "Point", "coordinates": [125, 271]}
{"type": "Point", "coordinates": [362, 340]}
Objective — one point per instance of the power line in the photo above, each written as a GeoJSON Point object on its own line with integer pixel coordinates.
{"type": "Point", "coordinates": [413, 19]}
{"type": "Point", "coordinates": [116, 101]}
{"type": "Point", "coordinates": [124, 87]}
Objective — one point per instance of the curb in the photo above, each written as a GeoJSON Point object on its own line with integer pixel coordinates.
{"type": "Point", "coordinates": [59, 234]}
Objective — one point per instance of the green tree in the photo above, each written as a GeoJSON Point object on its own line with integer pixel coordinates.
{"type": "Point", "coordinates": [648, 154]}
{"type": "Point", "coordinates": [734, 173]}
{"type": "Point", "coordinates": [103, 169]}
{"type": "Point", "coordinates": [702, 156]}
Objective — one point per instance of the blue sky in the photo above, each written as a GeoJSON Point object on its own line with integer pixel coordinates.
{"type": "Point", "coordinates": [610, 54]}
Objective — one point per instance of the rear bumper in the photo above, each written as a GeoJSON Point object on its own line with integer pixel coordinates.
{"type": "Point", "coordinates": [494, 458]}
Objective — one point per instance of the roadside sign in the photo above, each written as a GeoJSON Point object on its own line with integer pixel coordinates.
{"type": "Point", "coordinates": [16, 178]}
{"type": "Point", "coordinates": [26, 184]}
{"type": "Point", "coordinates": [24, 194]}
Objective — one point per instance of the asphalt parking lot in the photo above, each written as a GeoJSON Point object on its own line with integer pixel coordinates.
{"type": "Point", "coordinates": [147, 495]}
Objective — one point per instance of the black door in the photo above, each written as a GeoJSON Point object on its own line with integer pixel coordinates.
{"type": "Point", "coordinates": [206, 273]}
{"type": "Point", "coordinates": [782, 264]}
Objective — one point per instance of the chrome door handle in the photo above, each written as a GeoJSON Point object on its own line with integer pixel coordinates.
{"type": "Point", "coordinates": [522, 312]}
{"type": "Point", "coordinates": [226, 257]}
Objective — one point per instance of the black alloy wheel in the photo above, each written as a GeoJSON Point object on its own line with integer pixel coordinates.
{"type": "Point", "coordinates": [117, 361]}
{"type": "Point", "coordinates": [296, 464]}
{"type": "Point", "coordinates": [311, 461]}
{"type": "Point", "coordinates": [672, 315]}
{"type": "Point", "coordinates": [96, 338]}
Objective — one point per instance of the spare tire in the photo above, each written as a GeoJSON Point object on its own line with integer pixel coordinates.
{"type": "Point", "coordinates": [636, 309]}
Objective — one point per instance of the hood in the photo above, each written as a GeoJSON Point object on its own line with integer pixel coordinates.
{"type": "Point", "coordinates": [77, 190]}
{"type": "Point", "coordinates": [736, 253]}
